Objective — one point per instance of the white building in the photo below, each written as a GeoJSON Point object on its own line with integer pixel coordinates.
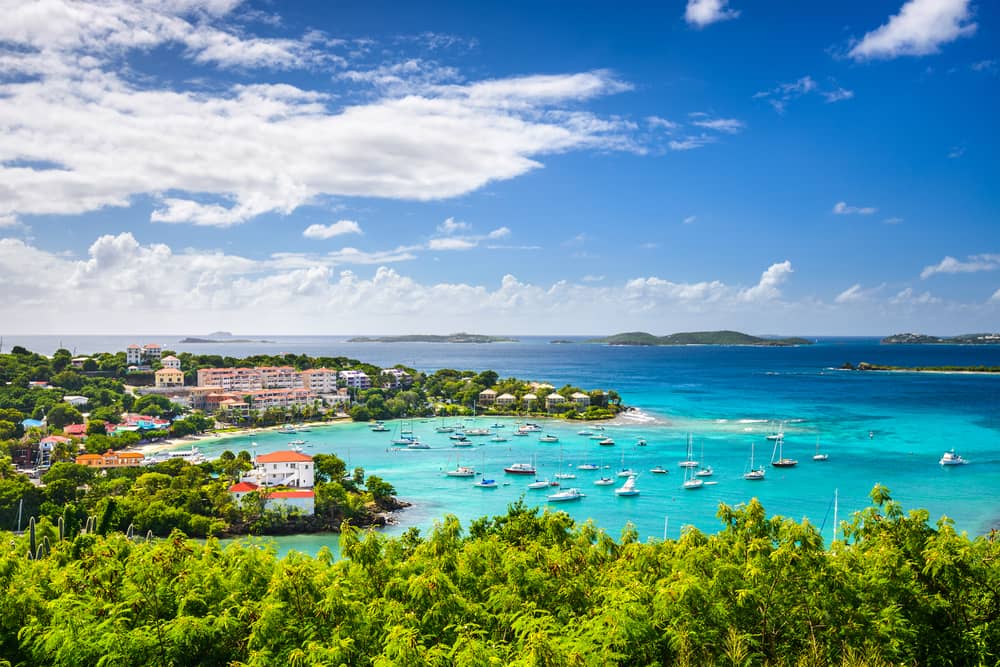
{"type": "Point", "coordinates": [320, 380]}
{"type": "Point", "coordinates": [303, 500]}
{"type": "Point", "coordinates": [400, 378]}
{"type": "Point", "coordinates": [280, 377]}
{"type": "Point", "coordinates": [355, 379]}
{"type": "Point", "coordinates": [170, 361]}
{"type": "Point", "coordinates": [282, 469]}
{"type": "Point", "coordinates": [133, 355]}
{"type": "Point", "coordinates": [76, 401]}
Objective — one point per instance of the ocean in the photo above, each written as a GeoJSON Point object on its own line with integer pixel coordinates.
{"type": "Point", "coordinates": [885, 428]}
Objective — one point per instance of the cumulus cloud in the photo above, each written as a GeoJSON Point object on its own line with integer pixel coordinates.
{"type": "Point", "coordinates": [450, 226]}
{"type": "Point", "coordinates": [219, 156]}
{"type": "Point", "coordinates": [657, 121]}
{"type": "Point", "coordinates": [701, 13]}
{"type": "Point", "coordinates": [770, 281]}
{"type": "Point", "coordinates": [972, 264]}
{"type": "Point", "coordinates": [921, 27]}
{"type": "Point", "coordinates": [841, 208]}
{"type": "Point", "coordinates": [339, 228]}
{"type": "Point", "coordinates": [909, 297]}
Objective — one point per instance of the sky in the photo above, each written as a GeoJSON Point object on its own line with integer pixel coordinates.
{"type": "Point", "coordinates": [185, 166]}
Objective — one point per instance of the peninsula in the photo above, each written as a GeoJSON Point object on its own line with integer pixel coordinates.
{"type": "Point", "coordinates": [698, 338]}
{"type": "Point", "coordinates": [865, 366]}
{"type": "Point", "coordinates": [924, 339]}
{"type": "Point", "coordinates": [429, 338]}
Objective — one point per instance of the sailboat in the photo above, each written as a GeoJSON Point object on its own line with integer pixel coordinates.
{"type": "Point", "coordinates": [705, 470]}
{"type": "Point", "coordinates": [628, 488]}
{"type": "Point", "coordinates": [690, 481]}
{"type": "Point", "coordinates": [818, 456]}
{"type": "Point", "coordinates": [625, 472]}
{"type": "Point", "coordinates": [779, 433]}
{"type": "Point", "coordinates": [754, 474]}
{"type": "Point", "coordinates": [689, 462]}
{"type": "Point", "coordinates": [781, 461]}
{"type": "Point", "coordinates": [461, 471]}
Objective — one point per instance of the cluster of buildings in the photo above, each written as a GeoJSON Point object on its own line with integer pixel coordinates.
{"type": "Point", "coordinates": [292, 470]}
{"type": "Point", "coordinates": [141, 357]}
{"type": "Point", "coordinates": [239, 391]}
{"type": "Point", "coordinates": [553, 400]}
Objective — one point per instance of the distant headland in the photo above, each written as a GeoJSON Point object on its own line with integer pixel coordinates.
{"type": "Point", "coordinates": [220, 337]}
{"type": "Point", "coordinates": [698, 338]}
{"type": "Point", "coordinates": [924, 339]}
{"type": "Point", "coordinates": [428, 338]}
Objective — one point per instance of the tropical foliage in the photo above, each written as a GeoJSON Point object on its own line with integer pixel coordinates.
{"type": "Point", "coordinates": [519, 589]}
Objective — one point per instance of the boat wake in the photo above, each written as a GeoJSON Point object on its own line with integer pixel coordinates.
{"type": "Point", "coordinates": [637, 416]}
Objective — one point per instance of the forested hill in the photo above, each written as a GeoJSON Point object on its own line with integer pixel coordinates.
{"type": "Point", "coordinates": [924, 339]}
{"type": "Point", "coordinates": [698, 338]}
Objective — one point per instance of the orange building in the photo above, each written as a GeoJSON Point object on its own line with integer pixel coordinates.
{"type": "Point", "coordinates": [111, 459]}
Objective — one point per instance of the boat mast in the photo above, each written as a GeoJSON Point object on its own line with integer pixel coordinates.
{"type": "Point", "coordinates": [835, 499]}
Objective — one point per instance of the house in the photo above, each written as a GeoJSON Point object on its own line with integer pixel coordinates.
{"type": "Point", "coordinates": [282, 468]}
{"type": "Point", "coordinates": [169, 377]}
{"type": "Point", "coordinates": [151, 352]}
{"type": "Point", "coordinates": [111, 459]}
{"type": "Point", "coordinates": [487, 397]}
{"type": "Point", "coordinates": [76, 401]}
{"type": "Point", "coordinates": [581, 399]}
{"type": "Point", "coordinates": [303, 500]}
{"type": "Point", "coordinates": [142, 356]}
{"type": "Point", "coordinates": [506, 400]}
{"type": "Point", "coordinates": [554, 400]}
{"type": "Point", "coordinates": [46, 446]}
{"type": "Point", "coordinates": [78, 362]}
{"type": "Point", "coordinates": [397, 378]}
{"type": "Point", "coordinates": [133, 355]}
{"type": "Point", "coordinates": [529, 400]}
{"type": "Point", "coordinates": [75, 430]}
{"type": "Point", "coordinates": [170, 361]}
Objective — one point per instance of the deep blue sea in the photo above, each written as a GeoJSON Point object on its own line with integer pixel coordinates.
{"type": "Point", "coordinates": [888, 428]}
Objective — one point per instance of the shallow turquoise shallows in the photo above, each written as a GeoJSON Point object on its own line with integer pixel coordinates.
{"type": "Point", "coordinates": [888, 428]}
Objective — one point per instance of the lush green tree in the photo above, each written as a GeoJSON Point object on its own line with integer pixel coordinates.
{"type": "Point", "coordinates": [61, 414]}
{"type": "Point", "coordinates": [96, 427]}
{"type": "Point", "coordinates": [360, 413]}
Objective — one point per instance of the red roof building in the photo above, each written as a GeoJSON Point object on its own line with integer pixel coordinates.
{"type": "Point", "coordinates": [284, 457]}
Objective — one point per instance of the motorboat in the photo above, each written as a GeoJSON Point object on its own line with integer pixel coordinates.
{"type": "Point", "coordinates": [287, 428]}
{"type": "Point", "coordinates": [296, 442]}
{"type": "Point", "coordinates": [585, 431]}
{"type": "Point", "coordinates": [498, 426]}
{"type": "Point", "coordinates": [606, 442]}
{"type": "Point", "coordinates": [548, 438]}
{"type": "Point", "coordinates": [604, 481]}
{"type": "Point", "coordinates": [416, 444]}
{"type": "Point", "coordinates": [478, 431]}
{"type": "Point", "coordinates": [457, 436]}
{"type": "Point", "coordinates": [461, 471]}
{"type": "Point", "coordinates": [498, 438]}
{"type": "Point", "coordinates": [659, 470]}
{"type": "Point", "coordinates": [950, 458]}
{"type": "Point", "coordinates": [302, 428]}
{"type": "Point", "coordinates": [520, 469]}
{"type": "Point", "coordinates": [486, 483]}
{"type": "Point", "coordinates": [641, 443]}
{"type": "Point", "coordinates": [705, 472]}
{"type": "Point", "coordinates": [461, 443]}
{"type": "Point", "coordinates": [539, 484]}
{"type": "Point", "coordinates": [380, 428]}
{"type": "Point", "coordinates": [628, 488]}
{"type": "Point", "coordinates": [565, 495]}
{"type": "Point", "coordinates": [588, 466]}
{"type": "Point", "coordinates": [564, 475]}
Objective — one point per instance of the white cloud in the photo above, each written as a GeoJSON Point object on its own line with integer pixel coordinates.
{"type": "Point", "coordinates": [499, 233]}
{"type": "Point", "coordinates": [841, 208]}
{"type": "Point", "coordinates": [9, 220]}
{"type": "Point", "coordinates": [996, 296]}
{"type": "Point", "coordinates": [691, 219]}
{"type": "Point", "coordinates": [973, 264]}
{"type": "Point", "coordinates": [691, 142]}
{"type": "Point", "coordinates": [657, 121]}
{"type": "Point", "coordinates": [767, 288]}
{"type": "Point", "coordinates": [920, 28]}
{"type": "Point", "coordinates": [592, 278]}
{"type": "Point", "coordinates": [910, 298]}
{"type": "Point", "coordinates": [956, 152]}
{"type": "Point", "coordinates": [852, 293]}
{"type": "Point", "coordinates": [893, 220]}
{"type": "Point", "coordinates": [779, 96]}
{"type": "Point", "coordinates": [451, 243]}
{"type": "Point", "coordinates": [701, 13]}
{"type": "Point", "coordinates": [984, 66]}
{"type": "Point", "coordinates": [727, 125]}
{"type": "Point", "coordinates": [450, 226]}
{"type": "Point", "coordinates": [220, 156]}
{"type": "Point", "coordinates": [338, 228]}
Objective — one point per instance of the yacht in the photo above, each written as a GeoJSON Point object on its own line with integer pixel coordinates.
{"type": "Point", "coordinates": [567, 494]}
{"type": "Point", "coordinates": [641, 443]}
{"type": "Point", "coordinates": [477, 431]}
{"type": "Point", "coordinates": [416, 444]}
{"type": "Point", "coordinates": [950, 458]}
{"type": "Point", "coordinates": [754, 474]}
{"type": "Point", "coordinates": [705, 472]}
{"type": "Point", "coordinates": [287, 428]}
{"type": "Point", "coordinates": [604, 481]}
{"type": "Point", "coordinates": [782, 461]}
{"type": "Point", "coordinates": [380, 428]}
{"type": "Point", "coordinates": [659, 470]}
{"type": "Point", "coordinates": [498, 438]}
{"type": "Point", "coordinates": [585, 431]}
{"type": "Point", "coordinates": [548, 438]}
{"type": "Point", "coordinates": [628, 488]}
{"type": "Point", "coordinates": [818, 456]}
{"type": "Point", "coordinates": [461, 471]}
{"type": "Point", "coordinates": [539, 484]}
{"type": "Point", "coordinates": [689, 462]}
{"type": "Point", "coordinates": [588, 466]}
{"type": "Point", "coordinates": [457, 436]}
{"type": "Point", "coordinates": [606, 442]}
{"type": "Point", "coordinates": [486, 483]}
{"type": "Point", "coordinates": [520, 469]}
{"type": "Point", "coordinates": [564, 475]}
{"type": "Point", "coordinates": [519, 433]}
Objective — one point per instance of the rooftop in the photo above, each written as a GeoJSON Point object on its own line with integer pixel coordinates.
{"type": "Point", "coordinates": [283, 457]}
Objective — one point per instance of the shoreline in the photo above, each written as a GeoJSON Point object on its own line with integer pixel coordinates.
{"type": "Point", "coordinates": [192, 440]}
{"type": "Point", "coordinates": [917, 370]}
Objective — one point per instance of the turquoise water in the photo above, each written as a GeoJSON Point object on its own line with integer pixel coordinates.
{"type": "Point", "coordinates": [888, 428]}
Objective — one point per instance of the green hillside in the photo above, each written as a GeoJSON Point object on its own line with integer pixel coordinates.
{"type": "Point", "coordinates": [698, 338]}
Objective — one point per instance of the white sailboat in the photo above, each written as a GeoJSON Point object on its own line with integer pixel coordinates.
{"type": "Point", "coordinates": [704, 470]}
{"type": "Point", "coordinates": [625, 472]}
{"type": "Point", "coordinates": [628, 488]}
{"type": "Point", "coordinates": [690, 481]}
{"type": "Point", "coordinates": [752, 473]}
{"type": "Point", "coordinates": [819, 456]}
{"type": "Point", "coordinates": [689, 462]}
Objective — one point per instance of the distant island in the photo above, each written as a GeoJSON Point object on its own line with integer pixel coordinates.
{"type": "Point", "coordinates": [427, 338]}
{"type": "Point", "coordinates": [194, 339]}
{"type": "Point", "coordinates": [865, 366]}
{"type": "Point", "coordinates": [561, 341]}
{"type": "Point", "coordinates": [924, 339]}
{"type": "Point", "coordinates": [698, 338]}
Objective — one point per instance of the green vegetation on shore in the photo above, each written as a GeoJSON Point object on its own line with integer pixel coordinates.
{"type": "Point", "coordinates": [698, 338]}
{"type": "Point", "coordinates": [924, 339]}
{"type": "Point", "coordinates": [865, 366]}
{"type": "Point", "coordinates": [429, 338]}
{"type": "Point", "coordinates": [520, 589]}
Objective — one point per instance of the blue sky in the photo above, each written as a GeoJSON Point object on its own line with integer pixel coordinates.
{"type": "Point", "coordinates": [186, 166]}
